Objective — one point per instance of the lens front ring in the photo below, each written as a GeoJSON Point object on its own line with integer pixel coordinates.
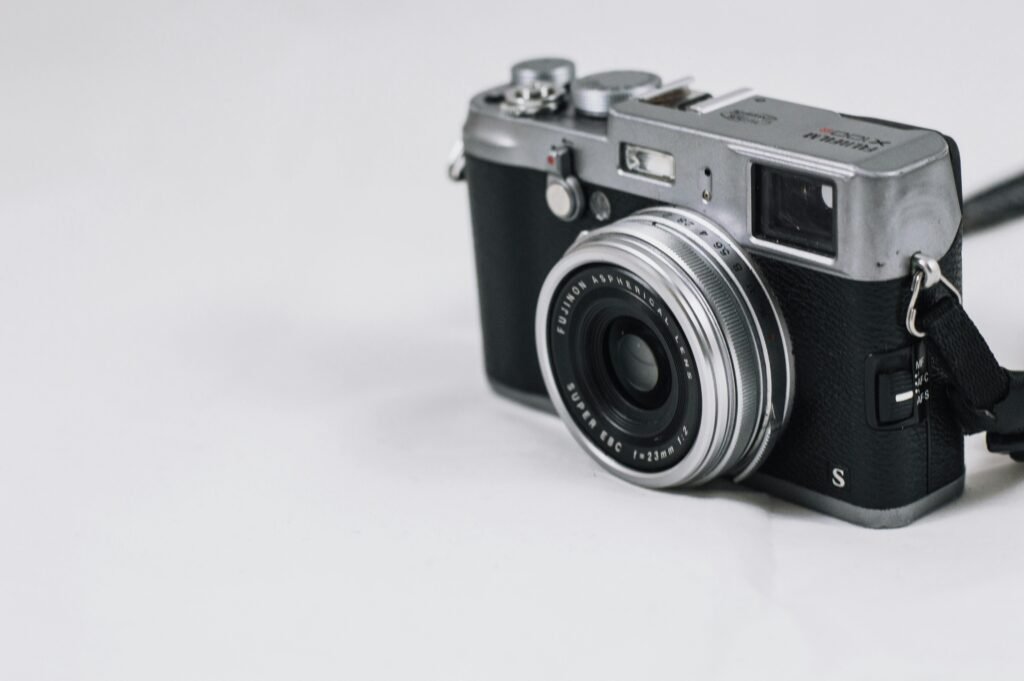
{"type": "Point", "coordinates": [717, 297]}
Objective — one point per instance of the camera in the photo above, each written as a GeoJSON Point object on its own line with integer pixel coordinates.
{"type": "Point", "coordinates": [708, 287]}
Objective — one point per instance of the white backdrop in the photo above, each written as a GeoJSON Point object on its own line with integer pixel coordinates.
{"type": "Point", "coordinates": [244, 429]}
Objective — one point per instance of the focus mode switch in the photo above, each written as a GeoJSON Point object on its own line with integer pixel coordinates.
{"type": "Point", "coordinates": [896, 397]}
{"type": "Point", "coordinates": [895, 388]}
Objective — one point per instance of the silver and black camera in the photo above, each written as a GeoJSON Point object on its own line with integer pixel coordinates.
{"type": "Point", "coordinates": [718, 286]}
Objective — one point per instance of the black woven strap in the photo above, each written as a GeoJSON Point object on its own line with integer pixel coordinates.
{"type": "Point", "coordinates": [987, 397]}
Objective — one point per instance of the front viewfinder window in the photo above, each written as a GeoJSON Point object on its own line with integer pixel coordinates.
{"type": "Point", "coordinates": [794, 209]}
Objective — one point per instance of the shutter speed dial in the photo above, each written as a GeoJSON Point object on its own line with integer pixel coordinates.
{"type": "Point", "coordinates": [594, 95]}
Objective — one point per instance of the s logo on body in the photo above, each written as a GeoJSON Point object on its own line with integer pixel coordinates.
{"type": "Point", "coordinates": [838, 478]}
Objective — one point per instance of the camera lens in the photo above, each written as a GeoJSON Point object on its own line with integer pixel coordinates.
{"type": "Point", "coordinates": [663, 350]}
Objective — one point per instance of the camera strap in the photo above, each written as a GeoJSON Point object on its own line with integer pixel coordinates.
{"type": "Point", "coordinates": [986, 396]}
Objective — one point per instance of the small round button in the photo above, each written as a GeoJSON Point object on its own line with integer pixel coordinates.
{"type": "Point", "coordinates": [594, 95]}
{"type": "Point", "coordinates": [564, 198]}
{"type": "Point", "coordinates": [600, 206]}
{"type": "Point", "coordinates": [560, 200]}
{"type": "Point", "coordinates": [551, 69]}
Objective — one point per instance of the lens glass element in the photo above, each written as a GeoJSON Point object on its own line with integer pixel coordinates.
{"type": "Point", "coordinates": [634, 363]}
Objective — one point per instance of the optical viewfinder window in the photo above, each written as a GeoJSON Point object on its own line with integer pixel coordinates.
{"type": "Point", "coordinates": [795, 209]}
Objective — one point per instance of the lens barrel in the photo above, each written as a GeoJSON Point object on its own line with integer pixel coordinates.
{"type": "Point", "coordinates": [664, 351]}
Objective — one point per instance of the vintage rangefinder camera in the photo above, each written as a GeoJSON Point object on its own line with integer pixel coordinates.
{"type": "Point", "coordinates": [717, 286]}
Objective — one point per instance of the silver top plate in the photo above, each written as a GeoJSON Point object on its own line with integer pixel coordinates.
{"type": "Point", "coordinates": [895, 190]}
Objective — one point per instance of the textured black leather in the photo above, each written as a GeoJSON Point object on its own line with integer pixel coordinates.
{"type": "Point", "coordinates": [835, 325]}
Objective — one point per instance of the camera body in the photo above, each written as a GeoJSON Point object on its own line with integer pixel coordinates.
{"type": "Point", "coordinates": [820, 211]}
